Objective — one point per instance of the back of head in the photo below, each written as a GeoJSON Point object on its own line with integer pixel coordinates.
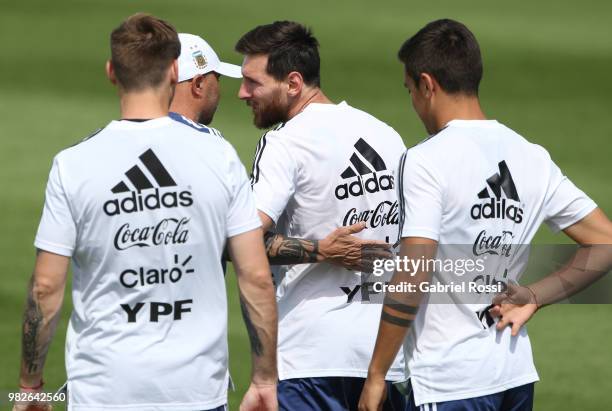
{"type": "Point", "coordinates": [447, 50]}
{"type": "Point", "coordinates": [142, 49]}
{"type": "Point", "coordinates": [289, 46]}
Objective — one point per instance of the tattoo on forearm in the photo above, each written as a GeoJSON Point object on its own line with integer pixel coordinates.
{"type": "Point", "coordinates": [399, 306]}
{"type": "Point", "coordinates": [256, 344]}
{"type": "Point", "coordinates": [286, 250]}
{"type": "Point", "coordinates": [392, 319]}
{"type": "Point", "coordinates": [32, 321]}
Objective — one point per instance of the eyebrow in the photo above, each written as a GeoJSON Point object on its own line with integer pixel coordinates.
{"type": "Point", "coordinates": [250, 79]}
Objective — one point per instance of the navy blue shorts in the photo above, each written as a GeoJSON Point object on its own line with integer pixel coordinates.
{"type": "Point", "coordinates": [221, 408]}
{"type": "Point", "coordinates": [330, 394]}
{"type": "Point", "coordinates": [514, 399]}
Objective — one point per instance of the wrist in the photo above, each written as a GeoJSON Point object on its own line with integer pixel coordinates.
{"type": "Point", "coordinates": [376, 374]}
{"type": "Point", "coordinates": [263, 382]}
{"type": "Point", "coordinates": [321, 252]}
{"type": "Point", "coordinates": [534, 299]}
{"type": "Point", "coordinates": [31, 384]}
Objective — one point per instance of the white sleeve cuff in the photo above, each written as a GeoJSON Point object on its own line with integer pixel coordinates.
{"type": "Point", "coordinates": [54, 248]}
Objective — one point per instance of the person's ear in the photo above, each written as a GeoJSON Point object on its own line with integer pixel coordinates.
{"type": "Point", "coordinates": [427, 84]}
{"type": "Point", "coordinates": [110, 72]}
{"type": "Point", "coordinates": [295, 83]}
{"type": "Point", "coordinates": [174, 73]}
{"type": "Point", "coordinates": [197, 85]}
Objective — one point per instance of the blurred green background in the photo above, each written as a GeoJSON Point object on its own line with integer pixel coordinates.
{"type": "Point", "coordinates": [547, 75]}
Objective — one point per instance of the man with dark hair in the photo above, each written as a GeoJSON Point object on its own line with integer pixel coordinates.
{"type": "Point", "coordinates": [326, 167]}
{"type": "Point", "coordinates": [144, 208]}
{"type": "Point", "coordinates": [196, 99]}
{"type": "Point", "coordinates": [473, 176]}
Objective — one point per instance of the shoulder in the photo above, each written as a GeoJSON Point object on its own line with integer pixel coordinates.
{"type": "Point", "coordinates": [279, 136]}
{"type": "Point", "coordinates": [528, 150]}
{"type": "Point", "coordinates": [195, 125]}
{"type": "Point", "coordinates": [82, 144]}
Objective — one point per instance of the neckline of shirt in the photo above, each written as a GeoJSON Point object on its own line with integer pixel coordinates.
{"type": "Point", "coordinates": [458, 122]}
{"type": "Point", "coordinates": [324, 106]}
{"type": "Point", "coordinates": [130, 124]}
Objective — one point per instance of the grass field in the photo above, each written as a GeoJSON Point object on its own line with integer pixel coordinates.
{"type": "Point", "coordinates": [547, 68]}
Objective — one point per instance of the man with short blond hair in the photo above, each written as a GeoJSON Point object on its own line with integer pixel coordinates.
{"type": "Point", "coordinates": [144, 208]}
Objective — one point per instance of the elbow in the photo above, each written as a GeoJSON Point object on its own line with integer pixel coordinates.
{"type": "Point", "coordinates": [263, 278]}
{"type": "Point", "coordinates": [47, 292]}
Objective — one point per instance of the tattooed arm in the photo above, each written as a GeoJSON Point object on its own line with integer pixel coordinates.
{"type": "Point", "coordinates": [398, 312]}
{"type": "Point", "coordinates": [42, 312]}
{"type": "Point", "coordinates": [258, 305]}
{"type": "Point", "coordinates": [340, 247]}
{"type": "Point", "coordinates": [287, 250]}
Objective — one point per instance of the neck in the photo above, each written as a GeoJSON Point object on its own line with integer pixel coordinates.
{"type": "Point", "coordinates": [308, 96]}
{"type": "Point", "coordinates": [457, 108]}
{"type": "Point", "coordinates": [149, 103]}
{"type": "Point", "coordinates": [186, 110]}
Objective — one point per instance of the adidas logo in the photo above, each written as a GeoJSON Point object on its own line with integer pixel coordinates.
{"type": "Point", "coordinates": [138, 201]}
{"type": "Point", "coordinates": [498, 207]}
{"type": "Point", "coordinates": [364, 162]}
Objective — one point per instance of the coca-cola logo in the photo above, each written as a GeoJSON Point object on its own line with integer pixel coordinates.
{"type": "Point", "coordinates": [386, 213]}
{"type": "Point", "coordinates": [493, 244]}
{"type": "Point", "coordinates": [167, 231]}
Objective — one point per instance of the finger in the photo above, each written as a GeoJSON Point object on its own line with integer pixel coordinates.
{"type": "Point", "coordinates": [495, 311]}
{"type": "Point", "coordinates": [516, 327]}
{"type": "Point", "coordinates": [502, 323]}
{"type": "Point", "coordinates": [376, 253]}
{"type": "Point", "coordinates": [365, 266]}
{"type": "Point", "coordinates": [355, 228]}
{"type": "Point", "coordinates": [375, 244]}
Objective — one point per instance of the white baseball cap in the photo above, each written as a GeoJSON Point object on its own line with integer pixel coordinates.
{"type": "Point", "coordinates": [197, 57]}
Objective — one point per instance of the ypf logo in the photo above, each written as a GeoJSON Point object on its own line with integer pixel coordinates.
{"type": "Point", "coordinates": [365, 174]}
{"type": "Point", "coordinates": [496, 205]}
{"type": "Point", "coordinates": [151, 192]}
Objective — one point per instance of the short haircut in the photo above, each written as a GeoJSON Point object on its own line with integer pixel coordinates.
{"type": "Point", "coordinates": [289, 46]}
{"type": "Point", "coordinates": [447, 50]}
{"type": "Point", "coordinates": [142, 49]}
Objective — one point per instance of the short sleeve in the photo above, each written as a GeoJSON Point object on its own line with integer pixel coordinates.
{"type": "Point", "coordinates": [57, 228]}
{"type": "Point", "coordinates": [273, 177]}
{"type": "Point", "coordinates": [565, 204]}
{"type": "Point", "coordinates": [242, 214]}
{"type": "Point", "coordinates": [420, 197]}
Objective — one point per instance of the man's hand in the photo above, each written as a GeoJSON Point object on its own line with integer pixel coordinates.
{"type": "Point", "coordinates": [31, 405]}
{"type": "Point", "coordinates": [260, 397]}
{"type": "Point", "coordinates": [514, 307]}
{"type": "Point", "coordinates": [373, 394]}
{"type": "Point", "coordinates": [342, 248]}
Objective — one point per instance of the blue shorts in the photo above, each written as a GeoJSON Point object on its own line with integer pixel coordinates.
{"type": "Point", "coordinates": [514, 399]}
{"type": "Point", "coordinates": [330, 394]}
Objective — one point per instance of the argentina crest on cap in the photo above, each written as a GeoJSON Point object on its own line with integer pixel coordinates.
{"type": "Point", "coordinates": [199, 59]}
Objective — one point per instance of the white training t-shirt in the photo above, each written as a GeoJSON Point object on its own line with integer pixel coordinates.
{"type": "Point", "coordinates": [329, 166]}
{"type": "Point", "coordinates": [144, 210]}
{"type": "Point", "coordinates": [479, 188]}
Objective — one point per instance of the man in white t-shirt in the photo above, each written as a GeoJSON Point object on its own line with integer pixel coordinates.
{"type": "Point", "coordinates": [325, 166]}
{"type": "Point", "coordinates": [144, 209]}
{"type": "Point", "coordinates": [474, 188]}
{"type": "Point", "coordinates": [195, 101]}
